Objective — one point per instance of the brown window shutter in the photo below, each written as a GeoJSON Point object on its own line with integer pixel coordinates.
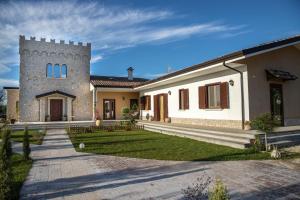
{"type": "Point", "coordinates": [180, 93]}
{"type": "Point", "coordinates": [149, 104]}
{"type": "Point", "coordinates": [142, 102]}
{"type": "Point", "coordinates": [186, 99]}
{"type": "Point", "coordinates": [166, 115]}
{"type": "Point", "coordinates": [156, 107]}
{"type": "Point", "coordinates": [203, 97]}
{"type": "Point", "coordinates": [224, 95]}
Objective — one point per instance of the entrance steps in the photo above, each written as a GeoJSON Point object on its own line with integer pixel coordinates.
{"type": "Point", "coordinates": [227, 137]}
{"type": "Point", "coordinates": [284, 139]}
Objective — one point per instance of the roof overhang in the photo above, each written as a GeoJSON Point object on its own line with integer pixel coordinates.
{"type": "Point", "coordinates": [53, 93]}
{"type": "Point", "coordinates": [11, 88]}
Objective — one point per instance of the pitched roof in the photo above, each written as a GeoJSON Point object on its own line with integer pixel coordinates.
{"type": "Point", "coordinates": [115, 82]}
{"type": "Point", "coordinates": [55, 92]}
{"type": "Point", "coordinates": [236, 54]}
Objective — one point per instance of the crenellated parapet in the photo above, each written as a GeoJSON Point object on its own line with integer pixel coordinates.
{"type": "Point", "coordinates": [31, 47]}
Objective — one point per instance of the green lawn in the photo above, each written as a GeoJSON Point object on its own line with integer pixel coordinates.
{"type": "Point", "coordinates": [36, 136]}
{"type": "Point", "coordinates": [19, 172]}
{"type": "Point", "coordinates": [150, 145]}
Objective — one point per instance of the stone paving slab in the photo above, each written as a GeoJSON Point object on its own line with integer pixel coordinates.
{"type": "Point", "coordinates": [59, 172]}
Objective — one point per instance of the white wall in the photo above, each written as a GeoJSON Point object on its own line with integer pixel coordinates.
{"type": "Point", "coordinates": [233, 113]}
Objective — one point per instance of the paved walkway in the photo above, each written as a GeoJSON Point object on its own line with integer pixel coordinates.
{"type": "Point", "coordinates": [61, 173]}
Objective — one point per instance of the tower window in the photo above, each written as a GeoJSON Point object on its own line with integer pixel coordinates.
{"type": "Point", "coordinates": [56, 71]}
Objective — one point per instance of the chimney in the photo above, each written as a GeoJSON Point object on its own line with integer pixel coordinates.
{"type": "Point", "coordinates": [130, 73]}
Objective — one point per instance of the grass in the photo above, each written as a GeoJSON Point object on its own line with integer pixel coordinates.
{"type": "Point", "coordinates": [150, 145]}
{"type": "Point", "coordinates": [35, 136]}
{"type": "Point", "coordinates": [20, 169]}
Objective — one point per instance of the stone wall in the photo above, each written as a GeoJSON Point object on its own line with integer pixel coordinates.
{"type": "Point", "coordinates": [34, 57]}
{"type": "Point", "coordinates": [12, 111]}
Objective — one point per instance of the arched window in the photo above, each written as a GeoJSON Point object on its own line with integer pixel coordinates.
{"type": "Point", "coordinates": [56, 71]}
{"type": "Point", "coordinates": [64, 71]}
{"type": "Point", "coordinates": [49, 70]}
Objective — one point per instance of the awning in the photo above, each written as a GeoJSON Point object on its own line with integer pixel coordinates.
{"type": "Point", "coordinates": [55, 92]}
{"type": "Point", "coordinates": [279, 75]}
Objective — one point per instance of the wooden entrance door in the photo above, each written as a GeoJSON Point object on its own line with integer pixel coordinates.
{"type": "Point", "coordinates": [160, 107]}
{"type": "Point", "coordinates": [109, 109]}
{"type": "Point", "coordinates": [56, 109]}
{"type": "Point", "coordinates": [276, 98]}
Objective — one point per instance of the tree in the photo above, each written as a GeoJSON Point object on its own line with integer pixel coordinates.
{"type": "Point", "coordinates": [2, 103]}
{"type": "Point", "coordinates": [5, 166]}
{"type": "Point", "coordinates": [26, 145]}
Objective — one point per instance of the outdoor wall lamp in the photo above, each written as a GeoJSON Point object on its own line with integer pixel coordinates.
{"type": "Point", "coordinates": [169, 92]}
{"type": "Point", "coordinates": [231, 82]}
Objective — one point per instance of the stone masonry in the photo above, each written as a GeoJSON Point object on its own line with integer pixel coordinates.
{"type": "Point", "coordinates": [34, 57]}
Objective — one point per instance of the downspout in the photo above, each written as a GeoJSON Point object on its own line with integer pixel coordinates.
{"type": "Point", "coordinates": [242, 91]}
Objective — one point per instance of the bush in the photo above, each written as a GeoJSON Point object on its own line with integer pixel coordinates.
{"type": "Point", "coordinates": [264, 122]}
{"type": "Point", "coordinates": [6, 142]}
{"type": "Point", "coordinates": [5, 166]}
{"type": "Point", "coordinates": [26, 145]}
{"type": "Point", "coordinates": [199, 190]}
{"type": "Point", "coordinates": [129, 114]}
{"type": "Point", "coordinates": [219, 192]}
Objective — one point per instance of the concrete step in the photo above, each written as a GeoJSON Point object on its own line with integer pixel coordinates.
{"type": "Point", "coordinates": [284, 139]}
{"type": "Point", "coordinates": [233, 140]}
{"type": "Point", "coordinates": [240, 135]}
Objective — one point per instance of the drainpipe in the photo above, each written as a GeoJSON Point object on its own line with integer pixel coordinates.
{"type": "Point", "coordinates": [242, 91]}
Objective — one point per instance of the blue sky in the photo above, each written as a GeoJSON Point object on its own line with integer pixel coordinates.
{"type": "Point", "coordinates": [153, 36]}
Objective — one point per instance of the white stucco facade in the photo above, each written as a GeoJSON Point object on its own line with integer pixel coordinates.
{"type": "Point", "coordinates": [194, 114]}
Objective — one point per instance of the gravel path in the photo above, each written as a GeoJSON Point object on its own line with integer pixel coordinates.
{"type": "Point", "coordinates": [59, 172]}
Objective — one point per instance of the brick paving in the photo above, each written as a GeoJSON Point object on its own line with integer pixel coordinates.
{"type": "Point", "coordinates": [59, 172]}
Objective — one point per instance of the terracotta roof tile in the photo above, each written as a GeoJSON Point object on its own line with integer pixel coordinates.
{"type": "Point", "coordinates": [113, 81]}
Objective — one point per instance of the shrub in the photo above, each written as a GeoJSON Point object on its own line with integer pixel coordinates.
{"type": "Point", "coordinates": [6, 142]}
{"type": "Point", "coordinates": [199, 190]}
{"type": "Point", "coordinates": [219, 192]}
{"type": "Point", "coordinates": [129, 114]}
{"type": "Point", "coordinates": [264, 123]}
{"type": "Point", "coordinates": [5, 166]}
{"type": "Point", "coordinates": [26, 145]}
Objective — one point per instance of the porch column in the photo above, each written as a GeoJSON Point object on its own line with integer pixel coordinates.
{"type": "Point", "coordinates": [94, 103]}
{"type": "Point", "coordinates": [69, 108]}
{"type": "Point", "coordinates": [42, 109]}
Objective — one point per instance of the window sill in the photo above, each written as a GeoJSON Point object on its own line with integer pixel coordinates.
{"type": "Point", "coordinates": [213, 109]}
{"type": "Point", "coordinates": [56, 78]}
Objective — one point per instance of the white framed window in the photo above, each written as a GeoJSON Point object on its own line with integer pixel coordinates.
{"type": "Point", "coordinates": [213, 96]}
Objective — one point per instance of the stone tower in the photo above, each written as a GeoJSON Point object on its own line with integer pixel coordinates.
{"type": "Point", "coordinates": [39, 86]}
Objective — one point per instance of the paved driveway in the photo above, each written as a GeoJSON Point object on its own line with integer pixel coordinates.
{"type": "Point", "coordinates": [59, 172]}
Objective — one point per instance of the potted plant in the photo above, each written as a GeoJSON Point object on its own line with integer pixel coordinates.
{"type": "Point", "coordinates": [65, 117]}
{"type": "Point", "coordinates": [151, 118]}
{"type": "Point", "coordinates": [98, 119]}
{"type": "Point", "coordinates": [147, 117]}
{"type": "Point", "coordinates": [247, 126]}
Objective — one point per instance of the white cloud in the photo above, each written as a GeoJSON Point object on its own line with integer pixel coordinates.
{"type": "Point", "coordinates": [4, 69]}
{"type": "Point", "coordinates": [96, 58]}
{"type": "Point", "coordinates": [108, 28]}
{"type": "Point", "coordinates": [8, 82]}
